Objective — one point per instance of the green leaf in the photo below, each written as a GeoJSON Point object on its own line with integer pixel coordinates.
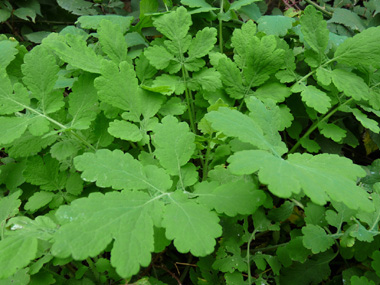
{"type": "Point", "coordinates": [121, 171]}
{"type": "Point", "coordinates": [237, 197]}
{"type": "Point", "coordinates": [347, 18]}
{"type": "Point", "coordinates": [235, 124]}
{"type": "Point", "coordinates": [321, 177]}
{"type": "Point", "coordinates": [342, 214]}
{"type": "Point", "coordinates": [362, 49]}
{"type": "Point", "coordinates": [25, 14]}
{"type": "Point", "coordinates": [38, 200]}
{"type": "Point", "coordinates": [350, 84]}
{"type": "Point", "coordinates": [16, 252]}
{"type": "Point", "coordinates": [315, 98]}
{"type": "Point", "coordinates": [274, 90]}
{"type": "Point", "coordinates": [20, 278]}
{"type": "Point", "coordinates": [11, 175]}
{"type": "Point", "coordinates": [243, 39]}
{"type": "Point", "coordinates": [74, 50]}
{"type": "Point", "coordinates": [314, 30]}
{"type": "Point", "coordinates": [94, 222]}
{"type": "Point", "coordinates": [174, 144]}
{"type": "Point", "coordinates": [332, 131]}
{"type": "Point", "coordinates": [316, 239]}
{"type": "Point", "coordinates": [11, 128]}
{"type": "Point", "coordinates": [376, 262]}
{"type": "Point", "coordinates": [93, 22]}
{"type": "Point", "coordinates": [83, 102]}
{"type": "Point", "coordinates": [202, 227]}
{"type": "Point", "coordinates": [64, 149]}
{"type": "Point", "coordinates": [44, 172]}
{"type": "Point", "coordinates": [203, 43]}
{"type": "Point", "coordinates": [159, 56]}
{"type": "Point", "coordinates": [77, 7]}
{"type": "Point", "coordinates": [9, 207]}
{"type": "Point", "coordinates": [207, 79]}
{"type": "Point", "coordinates": [275, 25]}
{"type": "Point", "coordinates": [8, 51]}
{"type": "Point", "coordinates": [125, 130]}
{"type": "Point", "coordinates": [365, 121]}
{"type": "Point", "coordinates": [118, 85]}
{"type": "Point", "coordinates": [74, 184]}
{"type": "Point", "coordinates": [175, 84]}
{"type": "Point", "coordinates": [231, 77]}
{"type": "Point", "coordinates": [174, 25]}
{"type": "Point", "coordinates": [315, 214]}
{"type": "Point", "coordinates": [236, 5]}
{"type": "Point", "coordinates": [40, 74]}
{"type": "Point", "coordinates": [112, 41]}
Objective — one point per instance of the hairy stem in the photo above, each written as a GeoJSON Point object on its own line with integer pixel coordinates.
{"type": "Point", "coordinates": [189, 100]}
{"type": "Point", "coordinates": [207, 158]}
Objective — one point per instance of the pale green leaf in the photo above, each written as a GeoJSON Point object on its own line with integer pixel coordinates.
{"type": "Point", "coordinates": [196, 3]}
{"type": "Point", "coordinates": [118, 85]}
{"type": "Point", "coordinates": [203, 42]}
{"type": "Point", "coordinates": [38, 125]}
{"type": "Point", "coordinates": [11, 128]}
{"type": "Point", "coordinates": [274, 90]}
{"type": "Point", "coordinates": [83, 102]}
{"type": "Point", "coordinates": [40, 74]}
{"type": "Point", "coordinates": [314, 30]}
{"type": "Point", "coordinates": [362, 49]}
{"type": "Point", "coordinates": [93, 22]}
{"type": "Point", "coordinates": [174, 144]}
{"type": "Point", "coordinates": [174, 25]}
{"type": "Point", "coordinates": [235, 124]}
{"type": "Point", "coordinates": [332, 131]}
{"type": "Point", "coordinates": [91, 224]}
{"type": "Point", "coordinates": [22, 276]}
{"type": "Point", "coordinates": [38, 200]}
{"type": "Point", "coordinates": [316, 239]}
{"type": "Point", "coordinates": [277, 25]}
{"type": "Point", "coordinates": [125, 130]}
{"type": "Point", "coordinates": [174, 106]}
{"type": "Point", "coordinates": [316, 98]}
{"type": "Point", "coordinates": [8, 52]}
{"type": "Point", "coordinates": [201, 225]}
{"type": "Point", "coordinates": [16, 252]}
{"type": "Point", "coordinates": [321, 177]}
{"type": "Point", "coordinates": [112, 41]}
{"type": "Point", "coordinates": [323, 76]}
{"type": "Point", "coordinates": [350, 84]}
{"type": "Point", "coordinates": [175, 83]}
{"type": "Point", "coordinates": [41, 228]}
{"type": "Point", "coordinates": [237, 197]}
{"type": "Point", "coordinates": [73, 49]}
{"type": "Point", "coordinates": [121, 171]}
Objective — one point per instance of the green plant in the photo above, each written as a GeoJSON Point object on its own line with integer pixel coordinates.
{"type": "Point", "coordinates": [110, 157]}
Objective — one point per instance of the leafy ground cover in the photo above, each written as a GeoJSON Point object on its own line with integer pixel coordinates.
{"type": "Point", "coordinates": [201, 144]}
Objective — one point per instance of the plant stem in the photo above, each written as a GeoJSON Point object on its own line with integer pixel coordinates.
{"type": "Point", "coordinates": [221, 27]}
{"type": "Point", "coordinates": [93, 268]}
{"type": "Point", "coordinates": [315, 125]}
{"type": "Point", "coordinates": [320, 8]}
{"type": "Point", "coordinates": [188, 100]}
{"type": "Point", "coordinates": [252, 237]}
{"type": "Point", "coordinates": [207, 157]}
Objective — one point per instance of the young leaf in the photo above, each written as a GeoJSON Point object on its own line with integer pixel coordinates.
{"type": "Point", "coordinates": [174, 144]}
{"type": "Point", "coordinates": [203, 42]}
{"type": "Point", "coordinates": [237, 197]}
{"type": "Point", "coordinates": [121, 171]}
{"type": "Point", "coordinates": [202, 227]}
{"type": "Point", "coordinates": [322, 177]}
{"type": "Point", "coordinates": [314, 30]}
{"type": "Point", "coordinates": [315, 98]}
{"type": "Point", "coordinates": [97, 220]}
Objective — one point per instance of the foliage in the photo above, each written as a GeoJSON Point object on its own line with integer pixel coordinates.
{"type": "Point", "coordinates": [225, 150]}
